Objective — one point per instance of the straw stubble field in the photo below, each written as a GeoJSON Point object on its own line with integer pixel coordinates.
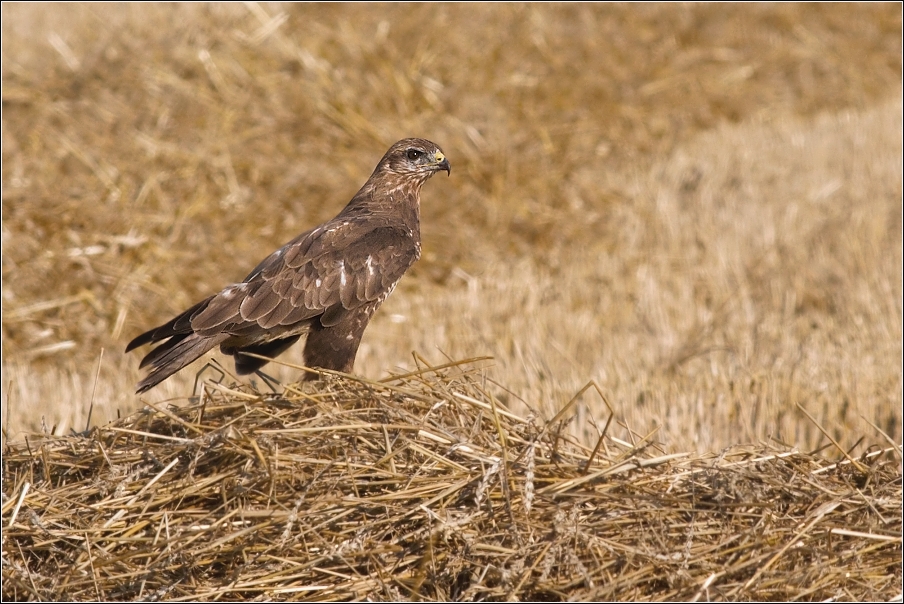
{"type": "Point", "coordinates": [426, 487]}
{"type": "Point", "coordinates": [696, 207]}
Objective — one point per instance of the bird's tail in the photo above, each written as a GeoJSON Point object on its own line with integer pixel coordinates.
{"type": "Point", "coordinates": [173, 355]}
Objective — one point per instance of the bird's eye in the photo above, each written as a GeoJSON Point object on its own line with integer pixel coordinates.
{"type": "Point", "coordinates": [414, 154]}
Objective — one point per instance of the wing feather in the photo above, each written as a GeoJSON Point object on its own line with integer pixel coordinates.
{"type": "Point", "coordinates": [260, 304]}
{"type": "Point", "coordinates": [222, 309]}
{"type": "Point", "coordinates": [275, 316]}
{"type": "Point", "coordinates": [282, 285]}
{"type": "Point", "coordinates": [347, 286]}
{"type": "Point", "coordinates": [328, 293]}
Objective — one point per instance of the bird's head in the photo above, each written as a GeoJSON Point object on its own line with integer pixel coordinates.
{"type": "Point", "coordinates": [414, 157]}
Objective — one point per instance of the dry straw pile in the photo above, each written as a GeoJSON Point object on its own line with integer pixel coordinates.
{"type": "Point", "coordinates": [426, 487]}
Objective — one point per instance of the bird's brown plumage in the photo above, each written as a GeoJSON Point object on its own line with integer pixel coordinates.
{"type": "Point", "coordinates": [325, 284]}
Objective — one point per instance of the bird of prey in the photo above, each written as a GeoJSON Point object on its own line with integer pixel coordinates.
{"type": "Point", "coordinates": [325, 284]}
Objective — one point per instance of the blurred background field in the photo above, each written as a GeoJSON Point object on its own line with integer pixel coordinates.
{"type": "Point", "coordinates": [696, 206]}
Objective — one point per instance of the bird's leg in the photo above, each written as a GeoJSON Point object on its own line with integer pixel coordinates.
{"type": "Point", "coordinates": [212, 365]}
{"type": "Point", "coordinates": [269, 380]}
{"type": "Point", "coordinates": [334, 347]}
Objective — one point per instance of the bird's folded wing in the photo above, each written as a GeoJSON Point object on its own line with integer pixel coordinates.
{"type": "Point", "coordinates": [344, 267]}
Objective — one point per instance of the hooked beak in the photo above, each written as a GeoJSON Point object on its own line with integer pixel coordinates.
{"type": "Point", "coordinates": [442, 163]}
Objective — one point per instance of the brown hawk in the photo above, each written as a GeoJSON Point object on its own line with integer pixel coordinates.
{"type": "Point", "coordinates": [325, 284]}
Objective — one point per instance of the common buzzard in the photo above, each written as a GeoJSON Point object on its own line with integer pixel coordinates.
{"type": "Point", "coordinates": [325, 284]}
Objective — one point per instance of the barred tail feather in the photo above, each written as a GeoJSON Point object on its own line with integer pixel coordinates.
{"type": "Point", "coordinates": [173, 355]}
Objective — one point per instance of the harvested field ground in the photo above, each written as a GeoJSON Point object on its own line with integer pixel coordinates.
{"type": "Point", "coordinates": [427, 488]}
{"type": "Point", "coordinates": [696, 207]}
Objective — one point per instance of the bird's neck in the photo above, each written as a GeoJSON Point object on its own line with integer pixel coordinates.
{"type": "Point", "coordinates": [399, 203]}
